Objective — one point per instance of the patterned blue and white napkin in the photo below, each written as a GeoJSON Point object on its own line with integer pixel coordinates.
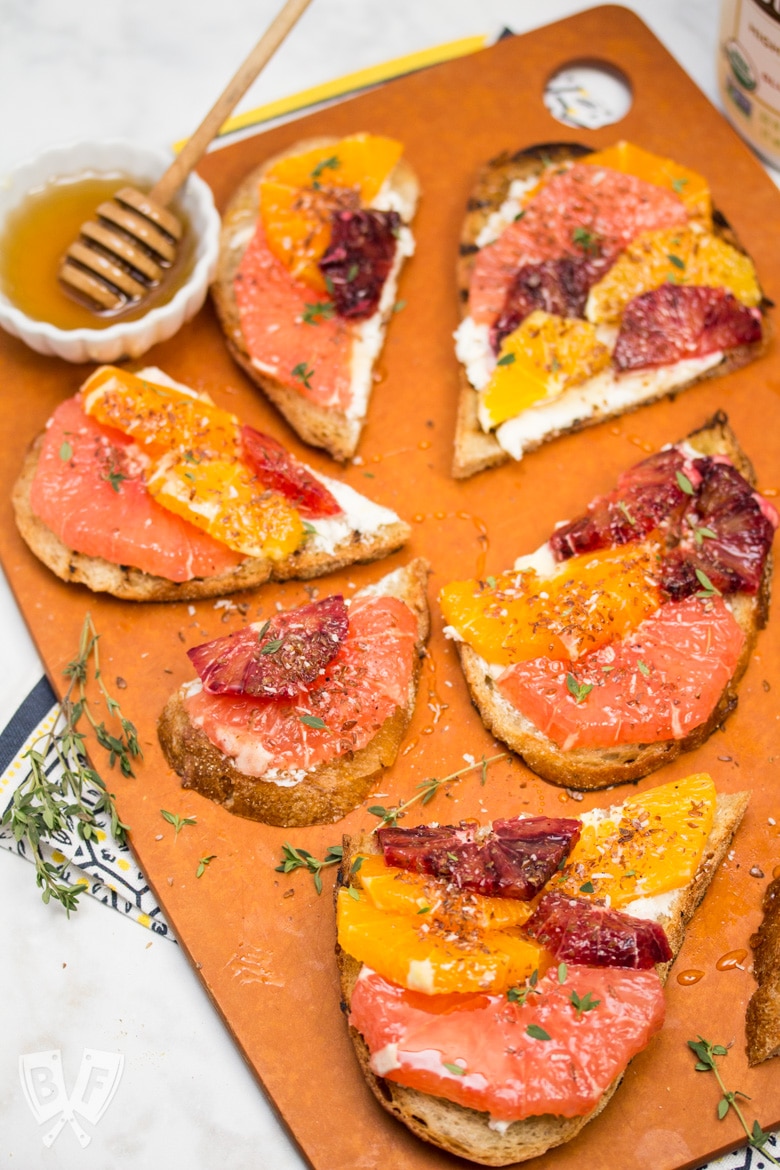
{"type": "Point", "coordinates": [106, 869]}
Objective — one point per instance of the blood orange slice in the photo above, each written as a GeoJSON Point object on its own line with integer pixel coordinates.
{"type": "Point", "coordinates": [674, 322]}
{"type": "Point", "coordinates": [515, 859]}
{"type": "Point", "coordinates": [727, 532]}
{"type": "Point", "coordinates": [275, 659]}
{"type": "Point", "coordinates": [574, 930]}
{"type": "Point", "coordinates": [89, 490]}
{"type": "Point", "coordinates": [554, 1051]}
{"type": "Point", "coordinates": [359, 258]}
{"type": "Point", "coordinates": [660, 682]}
{"type": "Point", "coordinates": [277, 469]}
{"type": "Point", "coordinates": [647, 496]}
{"type": "Point", "coordinates": [340, 713]}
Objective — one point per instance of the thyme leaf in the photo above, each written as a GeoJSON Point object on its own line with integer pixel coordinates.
{"type": "Point", "coordinates": [303, 373]}
{"type": "Point", "coordinates": [579, 691]}
{"type": "Point", "coordinates": [585, 1003]}
{"type": "Point", "coordinates": [204, 861]}
{"type": "Point", "coordinates": [313, 721]}
{"type": "Point", "coordinates": [317, 311]}
{"type": "Point", "coordinates": [707, 588]}
{"type": "Point", "coordinates": [177, 821]}
{"type": "Point", "coordinates": [685, 484]}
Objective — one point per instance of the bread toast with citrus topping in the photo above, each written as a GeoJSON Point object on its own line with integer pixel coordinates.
{"type": "Point", "coordinates": [467, 1132]}
{"type": "Point", "coordinates": [362, 531]}
{"type": "Point", "coordinates": [503, 192]}
{"type": "Point", "coordinates": [321, 792]}
{"type": "Point", "coordinates": [593, 767]}
{"type": "Point", "coordinates": [336, 427]}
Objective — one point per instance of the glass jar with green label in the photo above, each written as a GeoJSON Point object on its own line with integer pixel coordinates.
{"type": "Point", "coordinates": [749, 72]}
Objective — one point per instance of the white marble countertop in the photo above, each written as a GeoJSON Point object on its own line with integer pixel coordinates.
{"type": "Point", "coordinates": [148, 71]}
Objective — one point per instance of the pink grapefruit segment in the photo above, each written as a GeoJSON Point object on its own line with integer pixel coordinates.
{"type": "Point", "coordinates": [477, 1050]}
{"type": "Point", "coordinates": [359, 689]}
{"type": "Point", "coordinates": [585, 209]}
{"type": "Point", "coordinates": [660, 682]}
{"type": "Point", "coordinates": [287, 336]}
{"type": "Point", "coordinates": [89, 490]}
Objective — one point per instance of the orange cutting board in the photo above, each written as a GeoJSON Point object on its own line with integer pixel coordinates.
{"type": "Point", "coordinates": [263, 942]}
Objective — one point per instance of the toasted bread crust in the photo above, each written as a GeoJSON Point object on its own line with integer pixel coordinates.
{"type": "Point", "coordinates": [329, 791]}
{"type": "Point", "coordinates": [466, 1132]}
{"type": "Point", "coordinates": [586, 768]}
{"type": "Point", "coordinates": [131, 584]}
{"type": "Point", "coordinates": [762, 1018]}
{"type": "Point", "coordinates": [328, 428]}
{"type": "Point", "coordinates": [476, 450]}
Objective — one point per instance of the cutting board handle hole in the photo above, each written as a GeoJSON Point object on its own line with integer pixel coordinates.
{"type": "Point", "coordinates": [588, 93]}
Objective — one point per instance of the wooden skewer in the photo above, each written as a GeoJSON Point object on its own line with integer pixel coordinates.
{"type": "Point", "coordinates": [119, 258]}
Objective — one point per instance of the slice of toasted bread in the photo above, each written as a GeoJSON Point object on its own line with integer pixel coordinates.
{"type": "Point", "coordinates": [468, 1132]}
{"type": "Point", "coordinates": [585, 768]}
{"type": "Point", "coordinates": [337, 431]}
{"type": "Point", "coordinates": [365, 532]}
{"type": "Point", "coordinates": [331, 789]}
{"type": "Point", "coordinates": [476, 449]}
{"type": "Point", "coordinates": [762, 1018]}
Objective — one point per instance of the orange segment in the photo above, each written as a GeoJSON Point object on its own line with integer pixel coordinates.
{"type": "Point", "coordinates": [682, 256]}
{"type": "Point", "coordinates": [654, 844]}
{"type": "Point", "coordinates": [396, 891]}
{"type": "Point", "coordinates": [297, 227]}
{"type": "Point", "coordinates": [360, 161]}
{"type": "Point", "coordinates": [518, 616]}
{"type": "Point", "coordinates": [415, 955]}
{"type": "Point", "coordinates": [690, 186]}
{"type": "Point", "coordinates": [158, 418]}
{"type": "Point", "coordinates": [299, 194]}
{"type": "Point", "coordinates": [543, 357]}
{"type": "Point", "coordinates": [223, 499]}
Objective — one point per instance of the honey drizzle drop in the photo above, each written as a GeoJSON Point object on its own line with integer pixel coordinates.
{"type": "Point", "coordinates": [688, 978]}
{"type": "Point", "coordinates": [730, 960]}
{"type": "Point", "coordinates": [435, 704]}
{"type": "Point", "coordinates": [482, 537]}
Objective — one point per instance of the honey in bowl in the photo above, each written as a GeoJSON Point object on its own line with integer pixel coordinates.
{"type": "Point", "coordinates": [43, 226]}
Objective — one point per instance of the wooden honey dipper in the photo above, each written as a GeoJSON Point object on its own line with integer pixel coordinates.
{"type": "Point", "coordinates": [122, 255]}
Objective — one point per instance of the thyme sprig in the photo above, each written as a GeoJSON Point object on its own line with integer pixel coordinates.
{"type": "Point", "coordinates": [427, 789]}
{"type": "Point", "coordinates": [293, 858]}
{"type": "Point", "coordinates": [45, 804]}
{"type": "Point", "coordinates": [706, 1053]}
